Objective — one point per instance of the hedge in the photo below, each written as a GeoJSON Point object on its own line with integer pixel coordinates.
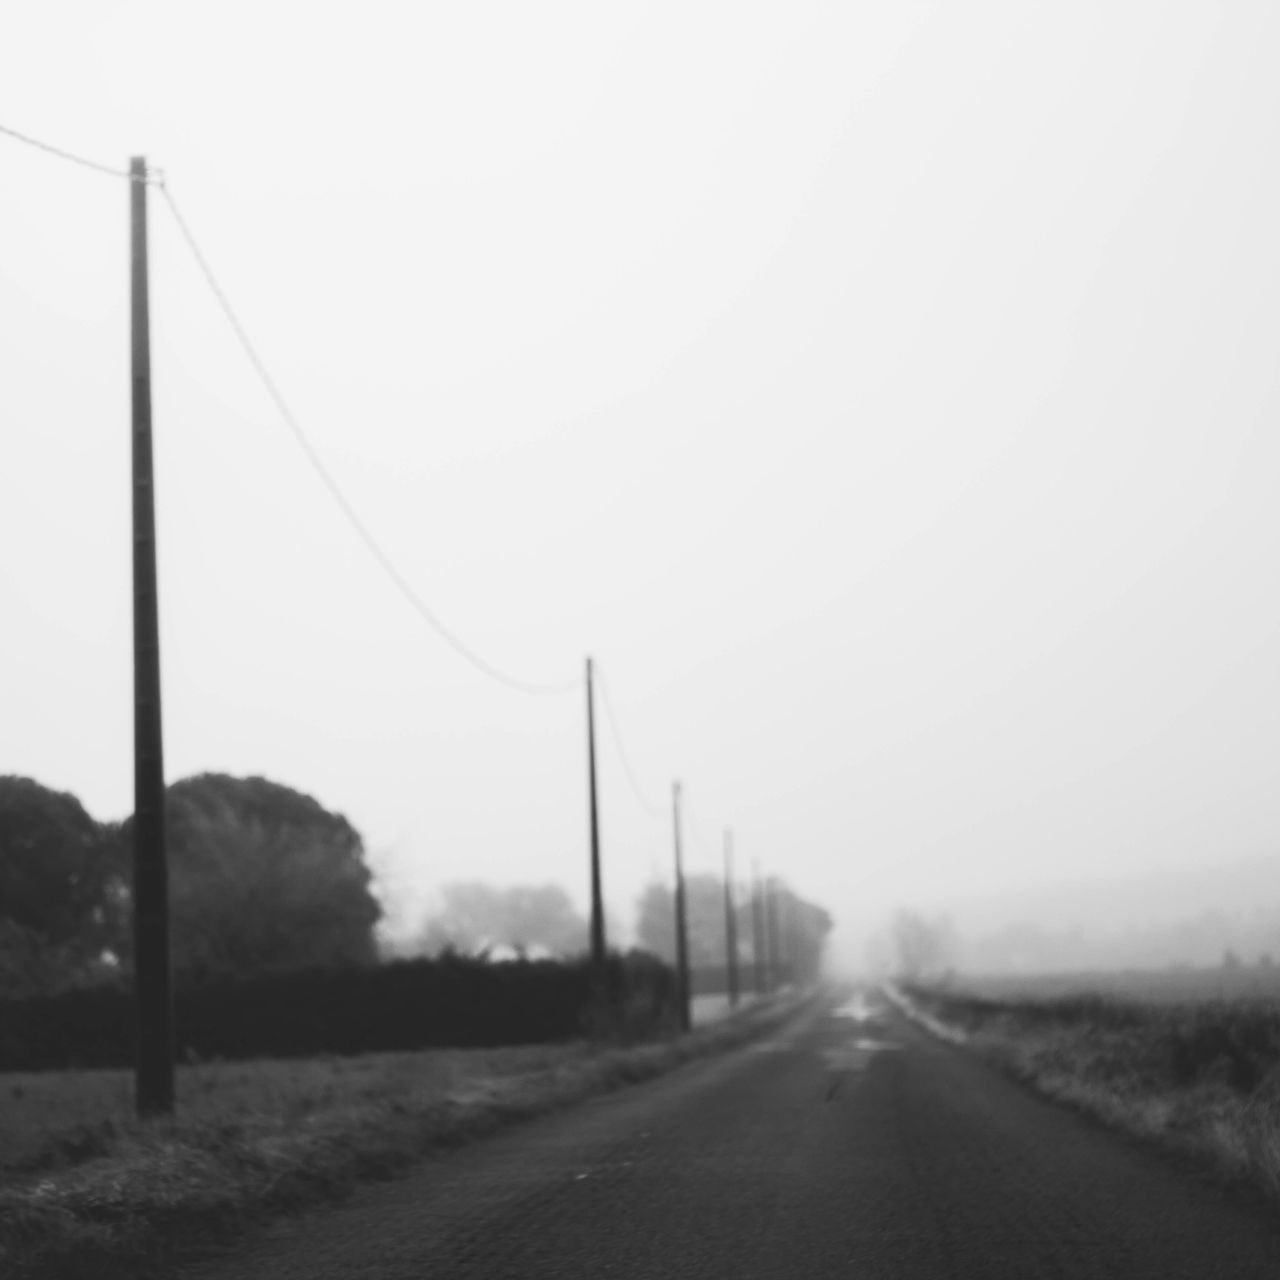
{"type": "Point", "coordinates": [448, 1001]}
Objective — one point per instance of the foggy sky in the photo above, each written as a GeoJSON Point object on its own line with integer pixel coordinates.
{"type": "Point", "coordinates": [884, 393]}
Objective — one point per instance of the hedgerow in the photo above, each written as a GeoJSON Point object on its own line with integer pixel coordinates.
{"type": "Point", "coordinates": [449, 1001]}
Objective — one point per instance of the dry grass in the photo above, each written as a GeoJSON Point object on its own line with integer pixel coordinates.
{"type": "Point", "coordinates": [52, 1119]}
{"type": "Point", "coordinates": [1199, 1079]}
{"type": "Point", "coordinates": [1176, 985]}
{"type": "Point", "coordinates": [94, 1193]}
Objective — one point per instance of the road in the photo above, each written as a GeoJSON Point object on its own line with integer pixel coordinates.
{"type": "Point", "coordinates": [851, 1145]}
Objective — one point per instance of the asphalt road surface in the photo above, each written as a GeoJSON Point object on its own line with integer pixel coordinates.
{"type": "Point", "coordinates": [850, 1145]}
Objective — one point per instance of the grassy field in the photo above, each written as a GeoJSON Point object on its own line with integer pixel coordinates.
{"type": "Point", "coordinates": [87, 1191]}
{"type": "Point", "coordinates": [1165, 986]}
{"type": "Point", "coordinates": [52, 1119]}
{"type": "Point", "coordinates": [1192, 1072]}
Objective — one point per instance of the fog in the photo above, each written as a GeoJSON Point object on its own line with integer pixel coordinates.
{"type": "Point", "coordinates": [883, 394]}
{"type": "Point", "coordinates": [1213, 916]}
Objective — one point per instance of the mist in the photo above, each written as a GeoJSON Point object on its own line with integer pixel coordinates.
{"type": "Point", "coordinates": [883, 395]}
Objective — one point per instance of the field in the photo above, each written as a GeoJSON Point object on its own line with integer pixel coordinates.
{"type": "Point", "coordinates": [50, 1119]}
{"type": "Point", "coordinates": [1163, 986]}
{"type": "Point", "coordinates": [1169, 1058]}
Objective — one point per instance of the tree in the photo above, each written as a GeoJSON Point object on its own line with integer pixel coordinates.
{"type": "Point", "coordinates": [263, 879]}
{"type": "Point", "coordinates": [61, 900]}
{"type": "Point", "coordinates": [801, 925]}
{"type": "Point", "coordinates": [808, 927]}
{"type": "Point", "coordinates": [704, 911]}
{"type": "Point", "coordinates": [474, 917]}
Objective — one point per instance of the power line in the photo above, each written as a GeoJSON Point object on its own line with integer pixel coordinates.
{"type": "Point", "coordinates": [335, 491]}
{"type": "Point", "coordinates": [63, 154]}
{"type": "Point", "coordinates": [699, 839]}
{"type": "Point", "coordinates": [402, 585]}
{"type": "Point", "coordinates": [653, 810]}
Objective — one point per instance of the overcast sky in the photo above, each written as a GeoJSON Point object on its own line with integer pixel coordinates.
{"type": "Point", "coordinates": [885, 393]}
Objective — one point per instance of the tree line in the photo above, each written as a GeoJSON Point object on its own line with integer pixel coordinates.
{"type": "Point", "coordinates": [264, 880]}
{"type": "Point", "coordinates": [799, 928]}
{"type": "Point", "coordinates": [916, 946]}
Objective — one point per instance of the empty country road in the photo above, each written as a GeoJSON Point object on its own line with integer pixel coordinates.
{"type": "Point", "coordinates": [849, 1145]}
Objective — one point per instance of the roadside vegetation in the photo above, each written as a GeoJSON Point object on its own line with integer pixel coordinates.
{"type": "Point", "coordinates": [313, 1055]}
{"type": "Point", "coordinates": [1198, 1078]}
{"type": "Point", "coordinates": [106, 1196]}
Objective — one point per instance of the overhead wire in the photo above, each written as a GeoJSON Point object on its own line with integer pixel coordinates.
{"type": "Point", "coordinates": [335, 491]}
{"type": "Point", "coordinates": [384, 561]}
{"type": "Point", "coordinates": [156, 178]}
{"type": "Point", "coordinates": [688, 809]}
{"type": "Point", "coordinates": [63, 154]}
{"type": "Point", "coordinates": [654, 811]}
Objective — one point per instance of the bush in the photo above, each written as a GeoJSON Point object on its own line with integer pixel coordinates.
{"type": "Point", "coordinates": [1238, 1046]}
{"type": "Point", "coordinates": [450, 1001]}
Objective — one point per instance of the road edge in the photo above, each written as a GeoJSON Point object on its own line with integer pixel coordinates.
{"type": "Point", "coordinates": [1236, 1157]}
{"type": "Point", "coordinates": [98, 1223]}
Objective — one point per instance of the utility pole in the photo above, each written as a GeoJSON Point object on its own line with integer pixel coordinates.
{"type": "Point", "coordinates": [783, 934]}
{"type": "Point", "coordinates": [770, 956]}
{"type": "Point", "coordinates": [730, 923]}
{"type": "Point", "coordinates": [793, 939]}
{"type": "Point", "coordinates": [757, 929]}
{"type": "Point", "coordinates": [771, 930]}
{"type": "Point", "coordinates": [153, 1078]}
{"type": "Point", "coordinates": [597, 900]}
{"type": "Point", "coordinates": [682, 923]}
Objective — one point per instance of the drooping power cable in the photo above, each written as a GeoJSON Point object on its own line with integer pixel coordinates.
{"type": "Point", "coordinates": [63, 154]}
{"type": "Point", "coordinates": [655, 811]}
{"type": "Point", "coordinates": [335, 490]}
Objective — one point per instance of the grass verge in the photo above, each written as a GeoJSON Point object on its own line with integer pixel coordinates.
{"type": "Point", "coordinates": [143, 1196]}
{"type": "Point", "coordinates": [1199, 1080]}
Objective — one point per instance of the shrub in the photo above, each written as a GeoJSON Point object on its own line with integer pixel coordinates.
{"type": "Point", "coordinates": [450, 1001]}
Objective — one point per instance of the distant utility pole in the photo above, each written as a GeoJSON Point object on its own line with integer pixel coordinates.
{"type": "Point", "coordinates": [783, 933]}
{"type": "Point", "coordinates": [793, 938]}
{"type": "Point", "coordinates": [757, 929]}
{"type": "Point", "coordinates": [771, 930]}
{"type": "Point", "coordinates": [153, 1079]}
{"type": "Point", "coordinates": [730, 922]}
{"type": "Point", "coordinates": [682, 923]}
{"type": "Point", "coordinates": [770, 956]}
{"type": "Point", "coordinates": [597, 899]}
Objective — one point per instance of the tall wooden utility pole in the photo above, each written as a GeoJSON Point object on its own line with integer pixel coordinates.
{"type": "Point", "coordinates": [757, 930]}
{"type": "Point", "coordinates": [597, 900]}
{"type": "Point", "coordinates": [682, 923]}
{"type": "Point", "coordinates": [153, 1080]}
{"type": "Point", "coordinates": [730, 922]}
